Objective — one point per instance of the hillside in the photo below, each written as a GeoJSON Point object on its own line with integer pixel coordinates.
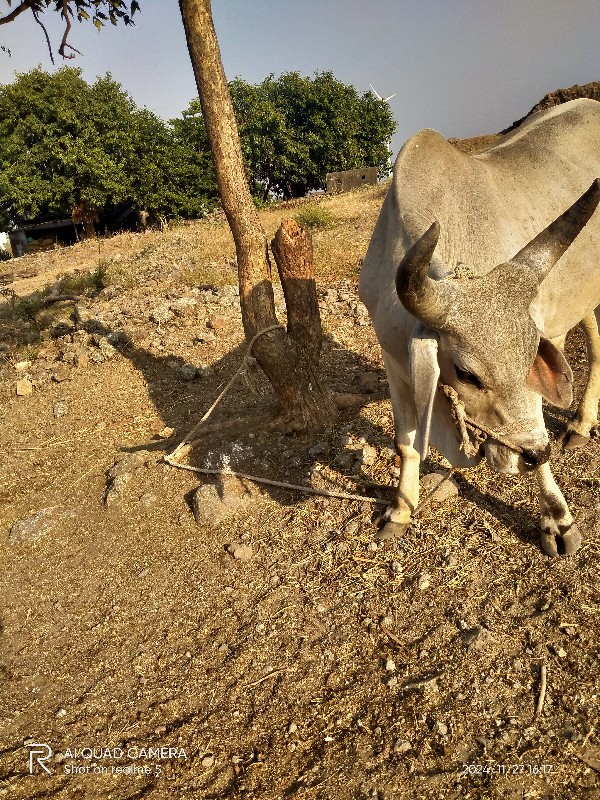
{"type": "Point", "coordinates": [477, 144]}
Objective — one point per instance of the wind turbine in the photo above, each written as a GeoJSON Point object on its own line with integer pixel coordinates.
{"type": "Point", "coordinates": [384, 100]}
{"type": "Point", "coordinates": [379, 97]}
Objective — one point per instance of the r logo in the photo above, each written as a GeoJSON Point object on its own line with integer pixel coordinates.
{"type": "Point", "coordinates": [41, 753]}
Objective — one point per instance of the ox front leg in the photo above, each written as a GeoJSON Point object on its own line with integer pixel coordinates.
{"type": "Point", "coordinates": [398, 516]}
{"type": "Point", "coordinates": [560, 535]}
{"type": "Point", "coordinates": [586, 418]}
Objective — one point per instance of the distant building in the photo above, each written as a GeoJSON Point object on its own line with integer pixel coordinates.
{"type": "Point", "coordinates": [44, 236]}
{"type": "Point", "coordinates": [350, 179]}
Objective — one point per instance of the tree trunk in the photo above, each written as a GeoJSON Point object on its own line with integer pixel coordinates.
{"type": "Point", "coordinates": [287, 368]}
{"type": "Point", "coordinates": [293, 251]}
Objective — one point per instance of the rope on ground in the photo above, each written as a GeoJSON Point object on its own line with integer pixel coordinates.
{"type": "Point", "coordinates": [170, 459]}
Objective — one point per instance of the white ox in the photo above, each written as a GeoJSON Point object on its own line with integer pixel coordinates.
{"type": "Point", "coordinates": [476, 263]}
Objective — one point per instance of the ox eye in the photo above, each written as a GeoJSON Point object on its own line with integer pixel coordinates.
{"type": "Point", "coordinates": [464, 376]}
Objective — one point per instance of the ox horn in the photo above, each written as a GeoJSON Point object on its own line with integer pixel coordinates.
{"type": "Point", "coordinates": [543, 252]}
{"type": "Point", "coordinates": [419, 293]}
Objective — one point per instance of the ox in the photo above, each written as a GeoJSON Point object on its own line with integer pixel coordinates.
{"type": "Point", "coordinates": [474, 275]}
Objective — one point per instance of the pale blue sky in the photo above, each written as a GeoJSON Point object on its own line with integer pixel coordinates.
{"type": "Point", "coordinates": [463, 67]}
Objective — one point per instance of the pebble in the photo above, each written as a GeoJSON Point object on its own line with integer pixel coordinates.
{"type": "Point", "coordinates": [217, 324]}
{"type": "Point", "coordinates": [187, 372]}
{"type": "Point", "coordinates": [367, 454]}
{"type": "Point", "coordinates": [32, 528]}
{"type": "Point", "coordinates": [62, 712]}
{"type": "Point", "coordinates": [402, 746]}
{"type": "Point", "coordinates": [432, 480]}
{"type": "Point", "coordinates": [344, 461]}
{"type": "Point", "coordinates": [206, 337]}
{"type": "Point", "coordinates": [440, 728]}
{"type": "Point", "coordinates": [24, 387]}
{"type": "Point", "coordinates": [292, 728]}
{"type": "Point", "coordinates": [390, 665]}
{"type": "Point", "coordinates": [241, 552]}
{"type": "Point", "coordinates": [21, 366]}
{"type": "Point", "coordinates": [161, 314]}
{"type": "Point", "coordinates": [423, 581]}
{"type": "Point", "coordinates": [208, 761]}
{"type": "Point", "coordinates": [60, 409]}
{"type": "Point", "coordinates": [319, 449]}
{"type": "Point", "coordinates": [369, 381]}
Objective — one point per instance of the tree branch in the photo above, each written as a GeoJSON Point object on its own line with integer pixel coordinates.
{"type": "Point", "coordinates": [26, 4]}
{"type": "Point", "coordinates": [42, 26]}
{"type": "Point", "coordinates": [64, 43]}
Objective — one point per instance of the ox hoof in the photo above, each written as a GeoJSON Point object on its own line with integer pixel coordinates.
{"type": "Point", "coordinates": [567, 542]}
{"type": "Point", "coordinates": [392, 530]}
{"type": "Point", "coordinates": [573, 440]}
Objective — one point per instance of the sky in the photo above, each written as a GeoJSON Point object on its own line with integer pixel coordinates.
{"type": "Point", "coordinates": [462, 67]}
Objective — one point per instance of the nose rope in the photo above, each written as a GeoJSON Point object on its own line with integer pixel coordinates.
{"type": "Point", "coordinates": [472, 433]}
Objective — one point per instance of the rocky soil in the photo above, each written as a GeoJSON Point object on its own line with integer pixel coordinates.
{"type": "Point", "coordinates": [168, 634]}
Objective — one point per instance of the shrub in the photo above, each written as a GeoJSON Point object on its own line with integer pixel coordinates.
{"type": "Point", "coordinates": [315, 218]}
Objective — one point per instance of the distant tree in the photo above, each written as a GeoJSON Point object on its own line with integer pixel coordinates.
{"type": "Point", "coordinates": [295, 130]}
{"type": "Point", "coordinates": [65, 144]}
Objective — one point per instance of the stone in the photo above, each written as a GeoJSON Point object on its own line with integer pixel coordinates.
{"type": "Point", "coordinates": [22, 366]}
{"type": "Point", "coordinates": [390, 665]}
{"type": "Point", "coordinates": [33, 528]}
{"type": "Point", "coordinates": [367, 454]}
{"type": "Point", "coordinates": [217, 323]}
{"type": "Point", "coordinates": [187, 372]}
{"type": "Point", "coordinates": [423, 581]}
{"type": "Point", "coordinates": [208, 761]}
{"type": "Point", "coordinates": [369, 382]}
{"type": "Point", "coordinates": [24, 387]}
{"type": "Point", "coordinates": [60, 409]}
{"type": "Point", "coordinates": [161, 314]}
{"type": "Point", "coordinates": [183, 306]}
{"type": "Point", "coordinates": [440, 728]}
{"type": "Point", "coordinates": [241, 552]}
{"type": "Point", "coordinates": [212, 503]}
{"type": "Point", "coordinates": [476, 638]}
{"type": "Point", "coordinates": [344, 461]}
{"type": "Point", "coordinates": [447, 488]}
{"type": "Point", "coordinates": [319, 449]}
{"type": "Point", "coordinates": [402, 746]}
{"type": "Point", "coordinates": [61, 374]}
{"type": "Point", "coordinates": [205, 337]}
{"type": "Point", "coordinates": [105, 347]}
{"type": "Point", "coordinates": [116, 488]}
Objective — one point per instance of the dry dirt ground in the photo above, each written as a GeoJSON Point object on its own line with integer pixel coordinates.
{"type": "Point", "coordinates": [278, 652]}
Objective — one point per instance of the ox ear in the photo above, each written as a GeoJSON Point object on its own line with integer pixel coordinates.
{"type": "Point", "coordinates": [424, 375]}
{"type": "Point", "coordinates": [551, 376]}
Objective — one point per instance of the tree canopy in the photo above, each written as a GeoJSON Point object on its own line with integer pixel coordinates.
{"type": "Point", "coordinates": [64, 143]}
{"type": "Point", "coordinates": [294, 130]}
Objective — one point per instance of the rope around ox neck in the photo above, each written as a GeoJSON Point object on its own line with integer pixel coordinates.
{"type": "Point", "coordinates": [472, 433]}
